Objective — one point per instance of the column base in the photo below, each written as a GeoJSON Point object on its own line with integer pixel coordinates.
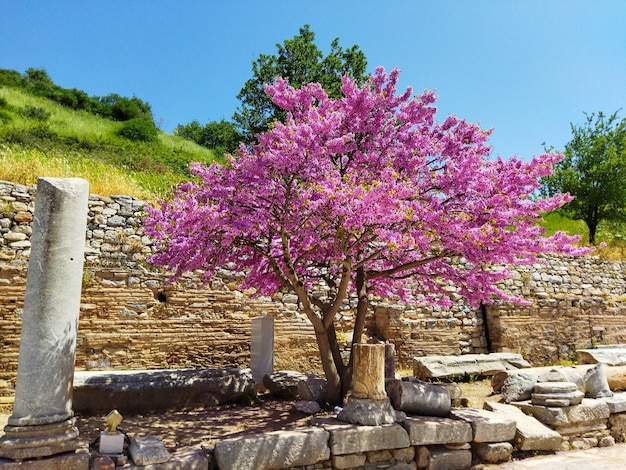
{"type": "Point", "coordinates": [27, 442]}
{"type": "Point", "coordinates": [368, 412]}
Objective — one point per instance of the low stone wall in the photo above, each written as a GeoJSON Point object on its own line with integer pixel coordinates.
{"type": "Point", "coordinates": [131, 319]}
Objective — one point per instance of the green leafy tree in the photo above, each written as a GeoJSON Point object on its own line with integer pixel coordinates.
{"type": "Point", "coordinates": [300, 61]}
{"type": "Point", "coordinates": [594, 172]}
{"type": "Point", "coordinates": [221, 135]}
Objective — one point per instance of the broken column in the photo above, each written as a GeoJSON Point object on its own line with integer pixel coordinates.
{"type": "Point", "coordinates": [368, 403]}
{"type": "Point", "coordinates": [42, 422]}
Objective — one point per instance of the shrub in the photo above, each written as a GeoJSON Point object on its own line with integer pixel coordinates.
{"type": "Point", "coordinates": [142, 130]}
{"type": "Point", "coordinates": [36, 113]}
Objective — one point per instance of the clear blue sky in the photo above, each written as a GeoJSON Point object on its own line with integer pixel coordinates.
{"type": "Point", "coordinates": [525, 68]}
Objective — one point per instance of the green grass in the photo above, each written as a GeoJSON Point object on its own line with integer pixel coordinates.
{"type": "Point", "coordinates": [77, 143]}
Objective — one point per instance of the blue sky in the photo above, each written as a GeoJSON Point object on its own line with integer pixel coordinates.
{"type": "Point", "coordinates": [525, 68]}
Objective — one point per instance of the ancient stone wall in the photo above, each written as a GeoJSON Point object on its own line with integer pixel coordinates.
{"type": "Point", "coordinates": [131, 319]}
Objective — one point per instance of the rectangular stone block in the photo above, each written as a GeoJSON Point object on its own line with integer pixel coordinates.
{"type": "Point", "coordinates": [69, 461]}
{"type": "Point", "coordinates": [616, 403]}
{"type": "Point", "coordinates": [278, 449]}
{"type": "Point", "coordinates": [348, 438]}
{"type": "Point", "coordinates": [486, 426]}
{"type": "Point", "coordinates": [427, 430]}
{"type": "Point", "coordinates": [589, 411]}
{"type": "Point", "coordinates": [349, 461]}
{"type": "Point", "coordinates": [530, 434]}
{"type": "Point", "coordinates": [148, 450]}
{"type": "Point", "coordinates": [440, 458]}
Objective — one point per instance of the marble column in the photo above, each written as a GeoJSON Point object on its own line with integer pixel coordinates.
{"type": "Point", "coordinates": [42, 422]}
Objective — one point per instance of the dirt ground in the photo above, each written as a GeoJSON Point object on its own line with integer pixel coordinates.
{"type": "Point", "coordinates": [200, 427]}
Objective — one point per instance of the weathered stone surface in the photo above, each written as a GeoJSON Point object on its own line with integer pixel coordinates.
{"type": "Point", "coordinates": [493, 452]}
{"type": "Point", "coordinates": [353, 439]}
{"type": "Point", "coordinates": [368, 376]}
{"type": "Point", "coordinates": [308, 407]}
{"type": "Point", "coordinates": [596, 385]}
{"type": "Point", "coordinates": [590, 413]}
{"type": "Point", "coordinates": [616, 403]}
{"type": "Point", "coordinates": [150, 390]}
{"type": "Point", "coordinates": [609, 356]}
{"type": "Point", "coordinates": [419, 398]}
{"type": "Point", "coordinates": [313, 388]}
{"type": "Point", "coordinates": [469, 364]}
{"type": "Point", "coordinates": [530, 434]}
{"type": "Point", "coordinates": [555, 387]}
{"type": "Point", "coordinates": [367, 412]}
{"type": "Point", "coordinates": [486, 426]}
{"type": "Point", "coordinates": [557, 399]}
{"type": "Point", "coordinates": [147, 450]}
{"type": "Point", "coordinates": [278, 449]}
{"type": "Point", "coordinates": [428, 430]}
{"type": "Point", "coordinates": [349, 461]}
{"type": "Point", "coordinates": [563, 374]}
{"type": "Point", "coordinates": [67, 461]}
{"type": "Point", "coordinates": [518, 387]}
{"type": "Point", "coordinates": [440, 458]}
{"type": "Point", "coordinates": [284, 383]}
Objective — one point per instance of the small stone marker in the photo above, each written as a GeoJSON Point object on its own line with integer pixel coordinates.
{"type": "Point", "coordinates": [147, 450]}
{"type": "Point", "coordinates": [262, 347]}
{"type": "Point", "coordinates": [42, 422]}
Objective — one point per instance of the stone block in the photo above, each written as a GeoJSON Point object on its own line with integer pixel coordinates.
{"type": "Point", "coordinates": [589, 411]}
{"type": "Point", "coordinates": [278, 449]}
{"type": "Point", "coordinates": [467, 364]}
{"type": "Point", "coordinates": [487, 426]}
{"type": "Point", "coordinates": [352, 439]}
{"type": "Point", "coordinates": [616, 403]}
{"type": "Point", "coordinates": [518, 387]}
{"type": "Point", "coordinates": [493, 452]}
{"type": "Point", "coordinates": [428, 430]}
{"type": "Point", "coordinates": [284, 383]}
{"type": "Point", "coordinates": [608, 356]}
{"type": "Point", "coordinates": [440, 458]}
{"type": "Point", "coordinates": [147, 450]}
{"type": "Point", "coordinates": [348, 461]}
{"type": "Point", "coordinates": [68, 461]}
{"type": "Point", "coordinates": [151, 390]}
{"type": "Point", "coordinates": [530, 434]}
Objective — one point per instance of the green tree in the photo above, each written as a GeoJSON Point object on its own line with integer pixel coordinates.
{"type": "Point", "coordinates": [594, 172]}
{"type": "Point", "coordinates": [300, 61]}
{"type": "Point", "coordinates": [220, 135]}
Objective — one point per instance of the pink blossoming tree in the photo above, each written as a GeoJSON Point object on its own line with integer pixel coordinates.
{"type": "Point", "coordinates": [365, 195]}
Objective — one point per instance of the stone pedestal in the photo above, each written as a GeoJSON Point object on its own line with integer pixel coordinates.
{"type": "Point", "coordinates": [368, 403]}
{"type": "Point", "coordinates": [42, 423]}
{"type": "Point", "coordinates": [262, 347]}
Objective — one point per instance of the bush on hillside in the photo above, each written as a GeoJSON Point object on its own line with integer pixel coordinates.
{"type": "Point", "coordinates": [139, 130]}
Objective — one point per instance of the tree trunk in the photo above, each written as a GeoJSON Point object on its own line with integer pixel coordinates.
{"type": "Point", "coordinates": [333, 378]}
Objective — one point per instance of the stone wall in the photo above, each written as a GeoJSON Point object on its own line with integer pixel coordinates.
{"type": "Point", "coordinates": [131, 319]}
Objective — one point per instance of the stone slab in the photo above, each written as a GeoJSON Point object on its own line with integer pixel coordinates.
{"type": "Point", "coordinates": [68, 461]}
{"type": "Point", "coordinates": [147, 450]}
{"type": "Point", "coordinates": [160, 389]}
{"type": "Point", "coordinates": [467, 364]}
{"type": "Point", "coordinates": [616, 403]}
{"type": "Point", "coordinates": [486, 425]}
{"type": "Point", "coordinates": [530, 434]}
{"type": "Point", "coordinates": [610, 356]}
{"type": "Point", "coordinates": [278, 449]}
{"type": "Point", "coordinates": [187, 459]}
{"type": "Point", "coordinates": [589, 411]}
{"type": "Point", "coordinates": [430, 430]}
{"type": "Point", "coordinates": [352, 438]}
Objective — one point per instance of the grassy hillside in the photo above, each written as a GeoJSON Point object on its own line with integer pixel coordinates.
{"type": "Point", "coordinates": [39, 137]}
